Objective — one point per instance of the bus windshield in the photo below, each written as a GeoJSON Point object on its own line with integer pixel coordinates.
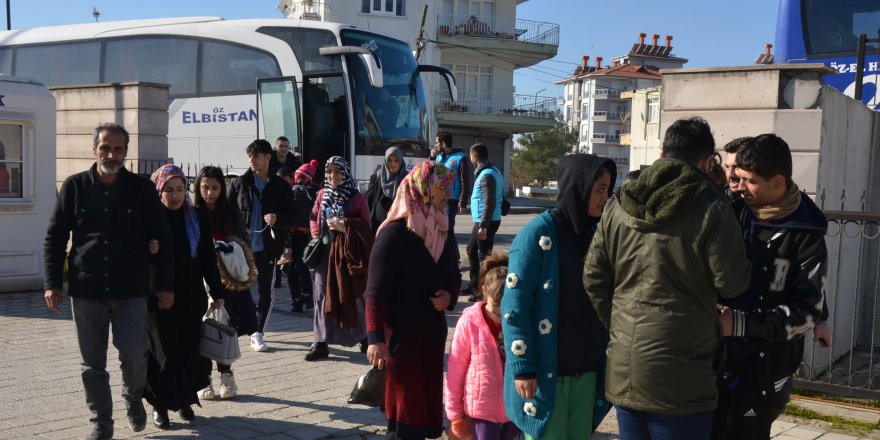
{"type": "Point", "coordinates": [833, 27]}
{"type": "Point", "coordinates": [394, 114]}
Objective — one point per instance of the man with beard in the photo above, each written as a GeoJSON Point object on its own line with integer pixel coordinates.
{"type": "Point", "coordinates": [112, 214]}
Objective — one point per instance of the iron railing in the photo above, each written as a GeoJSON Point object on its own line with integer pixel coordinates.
{"type": "Point", "coordinates": [528, 31]}
{"type": "Point", "coordinates": [607, 93]}
{"type": "Point", "coordinates": [517, 105]}
{"type": "Point", "coordinates": [850, 366]}
{"type": "Point", "coordinates": [606, 137]}
{"type": "Point", "coordinates": [145, 167]}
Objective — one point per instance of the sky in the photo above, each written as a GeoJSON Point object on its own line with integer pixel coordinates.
{"type": "Point", "coordinates": [707, 32]}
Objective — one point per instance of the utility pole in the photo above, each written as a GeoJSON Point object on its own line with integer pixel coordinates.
{"type": "Point", "coordinates": [8, 17]}
{"type": "Point", "coordinates": [860, 61]}
{"type": "Point", "coordinates": [420, 40]}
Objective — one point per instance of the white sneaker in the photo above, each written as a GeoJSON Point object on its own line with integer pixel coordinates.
{"type": "Point", "coordinates": [208, 393]}
{"type": "Point", "coordinates": [257, 342]}
{"type": "Point", "coordinates": [228, 389]}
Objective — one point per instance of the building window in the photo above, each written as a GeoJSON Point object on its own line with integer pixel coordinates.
{"type": "Point", "coordinates": [475, 81]}
{"type": "Point", "coordinates": [384, 7]}
{"type": "Point", "coordinates": [11, 162]}
{"type": "Point", "coordinates": [653, 110]}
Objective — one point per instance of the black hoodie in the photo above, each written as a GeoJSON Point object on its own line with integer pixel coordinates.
{"type": "Point", "coordinates": [581, 338]}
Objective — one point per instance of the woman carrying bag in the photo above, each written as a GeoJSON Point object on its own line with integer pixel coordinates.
{"type": "Point", "coordinates": [175, 370]}
{"type": "Point", "coordinates": [210, 195]}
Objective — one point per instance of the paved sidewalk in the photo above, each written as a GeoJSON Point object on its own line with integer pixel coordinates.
{"type": "Point", "coordinates": [282, 396]}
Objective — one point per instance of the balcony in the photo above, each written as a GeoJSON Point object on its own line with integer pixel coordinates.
{"type": "Point", "coordinates": [606, 138]}
{"type": "Point", "coordinates": [314, 10]}
{"type": "Point", "coordinates": [522, 42]}
{"type": "Point", "coordinates": [608, 116]}
{"type": "Point", "coordinates": [517, 114]}
{"type": "Point", "coordinates": [607, 94]}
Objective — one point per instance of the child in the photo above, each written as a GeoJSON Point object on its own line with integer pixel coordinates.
{"type": "Point", "coordinates": [475, 377]}
{"type": "Point", "coordinates": [298, 277]}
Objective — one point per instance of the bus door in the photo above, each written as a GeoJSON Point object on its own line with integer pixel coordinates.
{"type": "Point", "coordinates": [278, 111]}
{"type": "Point", "coordinates": [325, 119]}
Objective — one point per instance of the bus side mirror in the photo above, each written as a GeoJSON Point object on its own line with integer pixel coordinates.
{"type": "Point", "coordinates": [446, 74]}
{"type": "Point", "coordinates": [370, 60]}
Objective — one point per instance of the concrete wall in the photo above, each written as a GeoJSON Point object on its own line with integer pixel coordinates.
{"type": "Point", "coordinates": [645, 144]}
{"type": "Point", "coordinates": [142, 108]}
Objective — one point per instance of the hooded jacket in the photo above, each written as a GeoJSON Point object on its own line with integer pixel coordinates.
{"type": "Point", "coordinates": [785, 298]}
{"type": "Point", "coordinates": [666, 248]}
{"type": "Point", "coordinates": [533, 306]}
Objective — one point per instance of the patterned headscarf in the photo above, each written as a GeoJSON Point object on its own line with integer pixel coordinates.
{"type": "Point", "coordinates": [421, 199]}
{"type": "Point", "coordinates": [337, 196]}
{"type": "Point", "coordinates": [160, 177]}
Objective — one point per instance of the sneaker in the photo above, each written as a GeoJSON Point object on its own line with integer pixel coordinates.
{"type": "Point", "coordinates": [137, 415]}
{"type": "Point", "coordinates": [319, 350]}
{"type": "Point", "coordinates": [228, 388]}
{"type": "Point", "coordinates": [207, 393]}
{"type": "Point", "coordinates": [101, 432]}
{"type": "Point", "coordinates": [257, 342]}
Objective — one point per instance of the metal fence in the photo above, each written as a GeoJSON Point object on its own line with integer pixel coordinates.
{"type": "Point", "coordinates": [851, 366]}
{"type": "Point", "coordinates": [145, 167]}
{"type": "Point", "coordinates": [517, 105]}
{"type": "Point", "coordinates": [486, 27]}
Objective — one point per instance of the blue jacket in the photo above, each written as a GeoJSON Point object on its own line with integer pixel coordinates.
{"type": "Point", "coordinates": [479, 197]}
{"type": "Point", "coordinates": [457, 162]}
{"type": "Point", "coordinates": [529, 310]}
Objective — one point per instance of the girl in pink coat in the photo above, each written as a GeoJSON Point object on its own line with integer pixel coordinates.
{"type": "Point", "coordinates": [475, 377]}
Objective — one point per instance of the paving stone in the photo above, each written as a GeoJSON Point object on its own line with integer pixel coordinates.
{"type": "Point", "coordinates": [837, 436]}
{"type": "Point", "coordinates": [805, 432]}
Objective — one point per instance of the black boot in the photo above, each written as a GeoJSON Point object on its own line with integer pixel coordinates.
{"type": "Point", "coordinates": [297, 306]}
{"type": "Point", "coordinates": [363, 345]}
{"type": "Point", "coordinates": [187, 413]}
{"type": "Point", "coordinates": [160, 418]}
{"type": "Point", "coordinates": [319, 350]}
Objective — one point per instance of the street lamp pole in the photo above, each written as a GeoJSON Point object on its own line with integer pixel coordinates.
{"type": "Point", "coordinates": [536, 98]}
{"type": "Point", "coordinates": [8, 17]}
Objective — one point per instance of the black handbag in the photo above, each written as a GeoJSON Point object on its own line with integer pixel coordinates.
{"type": "Point", "coordinates": [369, 389]}
{"type": "Point", "coordinates": [314, 251]}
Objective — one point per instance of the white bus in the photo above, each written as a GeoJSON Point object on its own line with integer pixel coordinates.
{"type": "Point", "coordinates": [332, 89]}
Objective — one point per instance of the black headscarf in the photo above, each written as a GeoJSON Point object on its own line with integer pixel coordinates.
{"type": "Point", "coordinates": [575, 175]}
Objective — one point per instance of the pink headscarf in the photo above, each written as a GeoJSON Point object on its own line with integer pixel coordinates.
{"type": "Point", "coordinates": [421, 199]}
{"type": "Point", "coordinates": [160, 177]}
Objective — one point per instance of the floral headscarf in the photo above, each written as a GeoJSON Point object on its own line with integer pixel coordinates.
{"type": "Point", "coordinates": [337, 196]}
{"type": "Point", "coordinates": [421, 199]}
{"type": "Point", "coordinates": [160, 177]}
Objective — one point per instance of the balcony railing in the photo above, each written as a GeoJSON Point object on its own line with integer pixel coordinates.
{"type": "Point", "coordinates": [307, 10]}
{"type": "Point", "coordinates": [601, 115]}
{"type": "Point", "coordinates": [606, 137]}
{"type": "Point", "coordinates": [607, 93]}
{"type": "Point", "coordinates": [517, 105]}
{"type": "Point", "coordinates": [486, 27]}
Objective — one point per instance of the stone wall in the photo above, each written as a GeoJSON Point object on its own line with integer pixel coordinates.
{"type": "Point", "coordinates": [140, 107]}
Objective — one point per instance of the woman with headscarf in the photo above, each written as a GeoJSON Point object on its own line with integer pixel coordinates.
{"type": "Point", "coordinates": [175, 370]}
{"type": "Point", "coordinates": [337, 206]}
{"type": "Point", "coordinates": [383, 185]}
{"type": "Point", "coordinates": [413, 278]}
{"type": "Point", "coordinates": [554, 341]}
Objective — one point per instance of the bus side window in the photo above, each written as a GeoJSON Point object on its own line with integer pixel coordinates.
{"type": "Point", "coordinates": [5, 61]}
{"type": "Point", "coordinates": [229, 68]}
{"type": "Point", "coordinates": [163, 60]}
{"type": "Point", "coordinates": [60, 64]}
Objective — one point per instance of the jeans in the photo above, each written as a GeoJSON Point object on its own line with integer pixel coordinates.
{"type": "Point", "coordinates": [452, 211]}
{"type": "Point", "coordinates": [478, 250]}
{"type": "Point", "coordinates": [93, 320]}
{"type": "Point", "coordinates": [641, 425]}
{"type": "Point", "coordinates": [265, 288]}
{"type": "Point", "coordinates": [486, 430]}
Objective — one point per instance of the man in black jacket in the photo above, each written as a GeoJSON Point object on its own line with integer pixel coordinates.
{"type": "Point", "coordinates": [784, 233]}
{"type": "Point", "coordinates": [113, 214]}
{"type": "Point", "coordinates": [265, 203]}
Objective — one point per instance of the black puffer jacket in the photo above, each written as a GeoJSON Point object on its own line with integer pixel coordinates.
{"type": "Point", "coordinates": [276, 198]}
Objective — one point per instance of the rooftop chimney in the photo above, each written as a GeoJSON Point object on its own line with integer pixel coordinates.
{"type": "Point", "coordinates": [585, 61]}
{"type": "Point", "coordinates": [767, 48]}
{"type": "Point", "coordinates": [655, 37]}
{"type": "Point", "coordinates": [642, 36]}
{"type": "Point", "coordinates": [598, 63]}
{"type": "Point", "coordinates": [668, 40]}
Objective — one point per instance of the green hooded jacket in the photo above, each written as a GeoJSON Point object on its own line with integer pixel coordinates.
{"type": "Point", "coordinates": [667, 247]}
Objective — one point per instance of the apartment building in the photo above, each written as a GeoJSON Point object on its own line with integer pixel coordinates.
{"type": "Point", "coordinates": [596, 104]}
{"type": "Point", "coordinates": [481, 41]}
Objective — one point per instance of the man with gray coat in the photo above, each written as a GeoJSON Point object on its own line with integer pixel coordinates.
{"type": "Point", "coordinates": [667, 247]}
